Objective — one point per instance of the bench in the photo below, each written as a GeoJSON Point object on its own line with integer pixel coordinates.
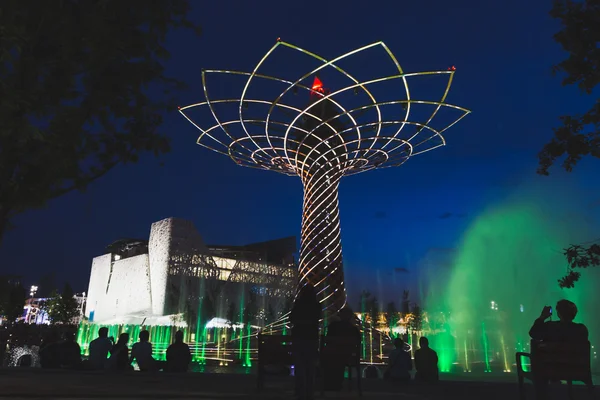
{"type": "Point", "coordinates": [556, 362]}
{"type": "Point", "coordinates": [340, 348]}
{"type": "Point", "coordinates": [272, 350]}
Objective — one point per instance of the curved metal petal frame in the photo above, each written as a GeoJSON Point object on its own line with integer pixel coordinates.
{"type": "Point", "coordinates": [280, 145]}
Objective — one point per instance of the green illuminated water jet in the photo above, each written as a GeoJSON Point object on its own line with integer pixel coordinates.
{"type": "Point", "coordinates": [504, 271]}
{"type": "Point", "coordinates": [486, 348]}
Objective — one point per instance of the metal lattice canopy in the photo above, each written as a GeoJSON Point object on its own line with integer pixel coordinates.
{"type": "Point", "coordinates": [390, 135]}
{"type": "Point", "coordinates": [363, 124]}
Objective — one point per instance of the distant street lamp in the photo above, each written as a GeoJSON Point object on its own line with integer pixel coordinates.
{"type": "Point", "coordinates": [32, 291]}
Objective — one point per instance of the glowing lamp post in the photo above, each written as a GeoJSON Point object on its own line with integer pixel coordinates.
{"type": "Point", "coordinates": [362, 125]}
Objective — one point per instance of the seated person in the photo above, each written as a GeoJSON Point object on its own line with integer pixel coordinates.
{"type": "Point", "coordinates": [178, 355]}
{"type": "Point", "coordinates": [563, 330]}
{"type": "Point", "coordinates": [343, 327]}
{"type": "Point", "coordinates": [99, 349]}
{"type": "Point", "coordinates": [399, 363]}
{"type": "Point", "coordinates": [142, 353]}
{"type": "Point", "coordinates": [50, 355]}
{"type": "Point", "coordinates": [70, 352]}
{"type": "Point", "coordinates": [426, 362]}
{"type": "Point", "coordinates": [119, 354]}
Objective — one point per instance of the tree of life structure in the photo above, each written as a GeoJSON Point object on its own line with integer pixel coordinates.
{"type": "Point", "coordinates": [334, 133]}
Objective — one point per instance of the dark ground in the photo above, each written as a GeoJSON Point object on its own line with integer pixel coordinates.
{"type": "Point", "coordinates": [43, 384]}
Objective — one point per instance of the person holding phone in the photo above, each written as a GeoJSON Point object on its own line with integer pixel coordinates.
{"type": "Point", "coordinates": [563, 330]}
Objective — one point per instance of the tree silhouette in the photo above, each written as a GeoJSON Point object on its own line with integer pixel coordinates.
{"type": "Point", "coordinates": [231, 311]}
{"type": "Point", "coordinates": [82, 89]}
{"type": "Point", "coordinates": [373, 310]}
{"type": "Point", "coordinates": [63, 308]}
{"type": "Point", "coordinates": [392, 316]}
{"type": "Point", "coordinates": [369, 307]}
{"type": "Point", "coordinates": [416, 322]}
{"type": "Point", "coordinates": [405, 303]}
{"type": "Point", "coordinates": [12, 298]}
{"type": "Point", "coordinates": [250, 308]}
{"type": "Point", "coordinates": [579, 135]}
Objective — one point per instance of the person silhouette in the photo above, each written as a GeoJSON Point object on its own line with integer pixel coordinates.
{"type": "Point", "coordinates": [119, 354]}
{"type": "Point", "coordinates": [426, 362]}
{"type": "Point", "coordinates": [142, 353]}
{"type": "Point", "coordinates": [178, 355]}
{"type": "Point", "coordinates": [70, 352]}
{"type": "Point", "coordinates": [563, 330]}
{"type": "Point", "coordinates": [343, 327]}
{"type": "Point", "coordinates": [305, 317]}
{"type": "Point", "coordinates": [399, 363]}
{"type": "Point", "coordinates": [50, 351]}
{"type": "Point", "coordinates": [99, 349]}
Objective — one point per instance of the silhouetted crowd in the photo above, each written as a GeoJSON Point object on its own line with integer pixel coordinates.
{"type": "Point", "coordinates": [305, 317]}
{"type": "Point", "coordinates": [104, 354]}
{"type": "Point", "coordinates": [306, 314]}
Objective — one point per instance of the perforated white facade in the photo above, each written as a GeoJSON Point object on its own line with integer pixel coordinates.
{"type": "Point", "coordinates": [134, 289]}
{"type": "Point", "coordinates": [148, 288]}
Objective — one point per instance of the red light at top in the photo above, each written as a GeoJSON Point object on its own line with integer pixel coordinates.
{"type": "Point", "coordinates": [317, 84]}
{"type": "Point", "coordinates": [452, 68]}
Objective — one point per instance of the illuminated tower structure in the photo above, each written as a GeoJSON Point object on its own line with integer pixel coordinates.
{"type": "Point", "coordinates": [352, 129]}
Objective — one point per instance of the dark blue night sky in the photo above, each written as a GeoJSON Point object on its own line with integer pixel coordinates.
{"type": "Point", "coordinates": [390, 218]}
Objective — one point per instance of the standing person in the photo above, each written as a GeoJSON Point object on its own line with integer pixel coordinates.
{"type": "Point", "coordinates": [305, 317]}
{"type": "Point", "coordinates": [344, 327]}
{"type": "Point", "coordinates": [119, 354]}
{"type": "Point", "coordinates": [99, 349]}
{"type": "Point", "coordinates": [178, 355]}
{"type": "Point", "coordinates": [426, 362]}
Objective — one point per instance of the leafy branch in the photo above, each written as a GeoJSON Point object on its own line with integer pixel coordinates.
{"type": "Point", "coordinates": [579, 257]}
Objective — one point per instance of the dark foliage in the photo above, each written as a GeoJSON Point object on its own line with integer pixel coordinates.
{"type": "Point", "coordinates": [373, 310]}
{"type": "Point", "coordinates": [250, 308]}
{"type": "Point", "coordinates": [63, 308]}
{"type": "Point", "coordinates": [82, 89]}
{"type": "Point", "coordinates": [416, 323]}
{"type": "Point", "coordinates": [579, 257]}
{"type": "Point", "coordinates": [12, 298]}
{"type": "Point", "coordinates": [369, 306]}
{"type": "Point", "coordinates": [231, 312]}
{"type": "Point", "coordinates": [391, 315]}
{"type": "Point", "coordinates": [405, 302]}
{"type": "Point", "coordinates": [579, 135]}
